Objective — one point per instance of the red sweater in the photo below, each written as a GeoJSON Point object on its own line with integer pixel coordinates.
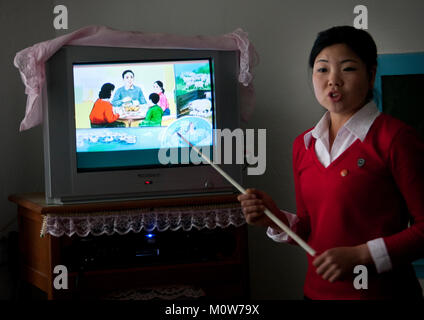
{"type": "Point", "coordinates": [373, 200]}
{"type": "Point", "coordinates": [102, 112]}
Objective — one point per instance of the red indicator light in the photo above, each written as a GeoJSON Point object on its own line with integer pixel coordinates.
{"type": "Point", "coordinates": [148, 182]}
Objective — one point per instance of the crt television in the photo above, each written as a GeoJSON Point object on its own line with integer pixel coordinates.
{"type": "Point", "coordinates": [102, 142]}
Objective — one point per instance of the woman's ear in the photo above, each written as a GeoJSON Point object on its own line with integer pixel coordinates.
{"type": "Point", "coordinates": [372, 74]}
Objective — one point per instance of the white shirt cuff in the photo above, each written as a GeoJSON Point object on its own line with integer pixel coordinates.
{"type": "Point", "coordinates": [379, 254]}
{"type": "Point", "coordinates": [281, 236]}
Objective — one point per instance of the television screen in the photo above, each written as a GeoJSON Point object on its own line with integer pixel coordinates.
{"type": "Point", "coordinates": [126, 111]}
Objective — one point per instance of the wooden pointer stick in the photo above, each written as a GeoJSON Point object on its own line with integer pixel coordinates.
{"type": "Point", "coordinates": [277, 221]}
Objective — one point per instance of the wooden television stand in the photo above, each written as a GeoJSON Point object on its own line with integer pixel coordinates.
{"type": "Point", "coordinates": [220, 276]}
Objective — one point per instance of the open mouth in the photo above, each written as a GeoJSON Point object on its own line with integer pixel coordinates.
{"type": "Point", "coordinates": [335, 96]}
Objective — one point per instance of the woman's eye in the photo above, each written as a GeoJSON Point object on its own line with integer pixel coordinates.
{"type": "Point", "coordinates": [322, 70]}
{"type": "Point", "coordinates": [349, 69]}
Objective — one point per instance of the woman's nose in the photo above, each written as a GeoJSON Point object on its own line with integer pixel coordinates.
{"type": "Point", "coordinates": [335, 80]}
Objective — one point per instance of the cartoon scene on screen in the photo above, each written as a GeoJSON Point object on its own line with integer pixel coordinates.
{"type": "Point", "coordinates": [137, 106]}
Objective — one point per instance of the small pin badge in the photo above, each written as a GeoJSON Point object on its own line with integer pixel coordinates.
{"type": "Point", "coordinates": [361, 162]}
{"type": "Point", "coordinates": [344, 172]}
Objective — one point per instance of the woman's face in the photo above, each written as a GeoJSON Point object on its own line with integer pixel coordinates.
{"type": "Point", "coordinates": [341, 81]}
{"type": "Point", "coordinates": [128, 79]}
{"type": "Point", "coordinates": [156, 88]}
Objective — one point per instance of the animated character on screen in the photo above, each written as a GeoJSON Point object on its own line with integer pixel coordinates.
{"type": "Point", "coordinates": [154, 114]}
{"type": "Point", "coordinates": [102, 115]}
{"type": "Point", "coordinates": [163, 101]}
{"type": "Point", "coordinates": [129, 94]}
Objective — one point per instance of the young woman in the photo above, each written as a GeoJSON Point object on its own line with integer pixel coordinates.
{"type": "Point", "coordinates": [102, 115]}
{"type": "Point", "coordinates": [163, 101]}
{"type": "Point", "coordinates": [359, 178]}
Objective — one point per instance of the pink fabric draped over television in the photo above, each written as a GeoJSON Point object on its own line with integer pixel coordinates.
{"type": "Point", "coordinates": [31, 61]}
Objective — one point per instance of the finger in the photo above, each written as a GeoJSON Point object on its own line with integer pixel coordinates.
{"type": "Point", "coordinates": [336, 276]}
{"type": "Point", "coordinates": [320, 259]}
{"type": "Point", "coordinates": [253, 212]}
{"type": "Point", "coordinates": [246, 197]}
{"type": "Point", "coordinates": [323, 267]}
{"type": "Point", "coordinates": [249, 203]}
{"type": "Point", "coordinates": [329, 272]}
{"type": "Point", "coordinates": [251, 190]}
{"type": "Point", "coordinates": [254, 209]}
{"type": "Point", "coordinates": [253, 217]}
{"type": "Point", "coordinates": [254, 192]}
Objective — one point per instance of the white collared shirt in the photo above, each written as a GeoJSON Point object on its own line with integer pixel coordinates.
{"type": "Point", "coordinates": [355, 128]}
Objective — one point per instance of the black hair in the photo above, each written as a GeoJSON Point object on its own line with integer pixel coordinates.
{"type": "Point", "coordinates": [126, 71]}
{"type": "Point", "coordinates": [160, 84]}
{"type": "Point", "coordinates": [358, 40]}
{"type": "Point", "coordinates": [106, 91]}
{"type": "Point", "coordinates": [154, 97]}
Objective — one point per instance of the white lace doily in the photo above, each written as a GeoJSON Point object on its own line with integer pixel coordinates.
{"type": "Point", "coordinates": [161, 219]}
